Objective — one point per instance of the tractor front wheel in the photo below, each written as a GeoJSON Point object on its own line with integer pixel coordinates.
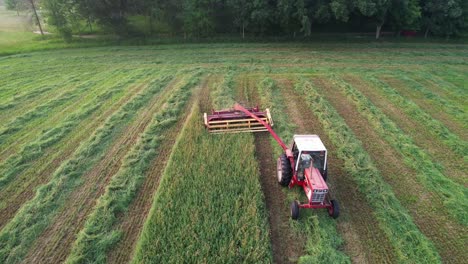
{"type": "Point", "coordinates": [334, 210]}
{"type": "Point", "coordinates": [295, 210]}
{"type": "Point", "coordinates": [284, 170]}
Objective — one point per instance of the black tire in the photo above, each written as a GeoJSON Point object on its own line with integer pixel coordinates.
{"type": "Point", "coordinates": [284, 170]}
{"type": "Point", "coordinates": [334, 211]}
{"type": "Point", "coordinates": [295, 210]}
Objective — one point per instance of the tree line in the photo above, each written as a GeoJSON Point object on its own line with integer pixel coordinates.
{"type": "Point", "coordinates": [293, 18]}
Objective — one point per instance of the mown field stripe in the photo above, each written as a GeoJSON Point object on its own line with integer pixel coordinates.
{"type": "Point", "coordinates": [430, 174]}
{"type": "Point", "coordinates": [450, 75]}
{"type": "Point", "coordinates": [55, 243]}
{"type": "Point", "coordinates": [236, 233]}
{"type": "Point", "coordinates": [30, 221]}
{"type": "Point", "coordinates": [409, 243]}
{"type": "Point", "coordinates": [323, 243]}
{"type": "Point", "coordinates": [363, 242]}
{"type": "Point", "coordinates": [131, 223]}
{"type": "Point", "coordinates": [24, 186]}
{"type": "Point", "coordinates": [37, 94]}
{"type": "Point", "coordinates": [16, 164]}
{"type": "Point", "coordinates": [100, 232]}
{"type": "Point", "coordinates": [453, 110]}
{"type": "Point", "coordinates": [43, 110]}
{"type": "Point", "coordinates": [49, 120]}
{"type": "Point", "coordinates": [442, 88]}
{"type": "Point", "coordinates": [421, 132]}
{"type": "Point", "coordinates": [428, 212]}
{"type": "Point", "coordinates": [23, 84]}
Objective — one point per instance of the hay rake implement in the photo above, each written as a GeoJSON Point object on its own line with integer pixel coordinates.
{"type": "Point", "coordinates": [304, 164]}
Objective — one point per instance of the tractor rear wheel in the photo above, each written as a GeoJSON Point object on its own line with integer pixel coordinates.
{"type": "Point", "coordinates": [295, 210]}
{"type": "Point", "coordinates": [284, 170]}
{"type": "Point", "coordinates": [334, 210]}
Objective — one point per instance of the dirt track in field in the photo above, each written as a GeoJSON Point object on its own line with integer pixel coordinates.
{"type": "Point", "coordinates": [454, 164]}
{"type": "Point", "coordinates": [287, 246]}
{"type": "Point", "coordinates": [356, 224]}
{"type": "Point", "coordinates": [54, 244]}
{"type": "Point", "coordinates": [24, 187]}
{"type": "Point", "coordinates": [424, 206]}
{"type": "Point", "coordinates": [131, 224]}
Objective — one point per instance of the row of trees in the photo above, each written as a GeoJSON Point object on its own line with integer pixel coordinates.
{"type": "Point", "coordinates": [200, 18]}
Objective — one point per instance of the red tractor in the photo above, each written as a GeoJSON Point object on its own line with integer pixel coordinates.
{"type": "Point", "coordinates": [304, 164]}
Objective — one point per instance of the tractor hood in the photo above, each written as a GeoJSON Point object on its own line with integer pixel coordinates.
{"type": "Point", "coordinates": [315, 179]}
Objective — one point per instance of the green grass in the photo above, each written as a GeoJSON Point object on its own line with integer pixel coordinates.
{"type": "Point", "coordinates": [323, 242]}
{"type": "Point", "coordinates": [18, 235]}
{"type": "Point", "coordinates": [220, 208]}
{"type": "Point", "coordinates": [100, 233]}
{"type": "Point", "coordinates": [16, 164]}
{"type": "Point", "coordinates": [210, 186]}
{"type": "Point", "coordinates": [409, 243]}
{"type": "Point", "coordinates": [435, 127]}
{"type": "Point", "coordinates": [430, 174]}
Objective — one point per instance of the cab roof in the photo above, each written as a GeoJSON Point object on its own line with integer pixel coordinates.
{"type": "Point", "coordinates": [309, 142]}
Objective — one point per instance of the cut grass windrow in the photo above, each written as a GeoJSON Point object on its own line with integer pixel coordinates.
{"type": "Point", "coordinates": [100, 233]}
{"type": "Point", "coordinates": [409, 244]}
{"type": "Point", "coordinates": [452, 109]}
{"type": "Point", "coordinates": [44, 109]}
{"type": "Point", "coordinates": [414, 111]}
{"type": "Point", "coordinates": [323, 243]}
{"type": "Point", "coordinates": [29, 222]}
{"type": "Point", "coordinates": [453, 195]}
{"type": "Point", "coordinates": [23, 187]}
{"type": "Point", "coordinates": [36, 88]}
{"type": "Point", "coordinates": [31, 130]}
{"type": "Point", "coordinates": [16, 164]}
{"type": "Point", "coordinates": [219, 211]}
{"type": "Point", "coordinates": [440, 86]}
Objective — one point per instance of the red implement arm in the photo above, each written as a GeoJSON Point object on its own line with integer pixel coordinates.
{"type": "Point", "coordinates": [275, 136]}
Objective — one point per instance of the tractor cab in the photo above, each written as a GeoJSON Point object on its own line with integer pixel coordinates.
{"type": "Point", "coordinates": [309, 152]}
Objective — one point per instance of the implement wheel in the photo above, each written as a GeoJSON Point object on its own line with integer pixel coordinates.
{"type": "Point", "coordinates": [284, 170]}
{"type": "Point", "coordinates": [334, 210]}
{"type": "Point", "coordinates": [295, 210]}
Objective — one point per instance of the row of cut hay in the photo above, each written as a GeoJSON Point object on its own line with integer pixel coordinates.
{"type": "Point", "coordinates": [22, 85]}
{"type": "Point", "coordinates": [430, 174]}
{"type": "Point", "coordinates": [454, 110]}
{"type": "Point", "coordinates": [27, 87]}
{"type": "Point", "coordinates": [45, 109]}
{"type": "Point", "coordinates": [435, 127]}
{"type": "Point", "coordinates": [19, 162]}
{"type": "Point", "coordinates": [409, 244]}
{"type": "Point", "coordinates": [456, 78]}
{"type": "Point", "coordinates": [323, 243]}
{"type": "Point", "coordinates": [34, 216]}
{"type": "Point", "coordinates": [440, 86]}
{"type": "Point", "coordinates": [100, 232]}
{"type": "Point", "coordinates": [209, 205]}
{"type": "Point", "coordinates": [38, 125]}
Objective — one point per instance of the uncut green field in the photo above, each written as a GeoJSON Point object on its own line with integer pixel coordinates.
{"type": "Point", "coordinates": [104, 158]}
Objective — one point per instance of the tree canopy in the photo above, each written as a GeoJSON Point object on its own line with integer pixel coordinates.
{"type": "Point", "coordinates": [202, 18]}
